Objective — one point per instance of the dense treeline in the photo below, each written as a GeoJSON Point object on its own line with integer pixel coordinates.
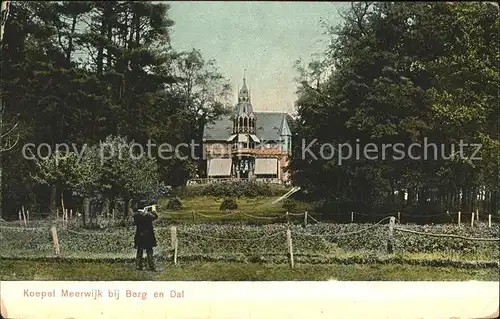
{"type": "Point", "coordinates": [84, 72]}
{"type": "Point", "coordinates": [402, 73]}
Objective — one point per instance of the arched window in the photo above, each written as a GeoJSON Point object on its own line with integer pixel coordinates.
{"type": "Point", "coordinates": [246, 122]}
{"type": "Point", "coordinates": [241, 122]}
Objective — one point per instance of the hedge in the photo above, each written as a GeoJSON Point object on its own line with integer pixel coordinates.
{"type": "Point", "coordinates": [235, 189]}
{"type": "Point", "coordinates": [174, 204]}
{"type": "Point", "coordinates": [204, 239]}
{"type": "Point", "coordinates": [280, 259]}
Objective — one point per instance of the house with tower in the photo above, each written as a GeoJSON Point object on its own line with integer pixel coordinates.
{"type": "Point", "coordinates": [248, 144]}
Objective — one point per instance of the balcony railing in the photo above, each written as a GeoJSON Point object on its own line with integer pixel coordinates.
{"type": "Point", "coordinates": [247, 151]}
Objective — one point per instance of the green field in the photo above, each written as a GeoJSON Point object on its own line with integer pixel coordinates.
{"type": "Point", "coordinates": [78, 270]}
{"type": "Point", "coordinates": [258, 206]}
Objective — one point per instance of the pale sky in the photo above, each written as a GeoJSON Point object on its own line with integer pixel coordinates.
{"type": "Point", "coordinates": [265, 38]}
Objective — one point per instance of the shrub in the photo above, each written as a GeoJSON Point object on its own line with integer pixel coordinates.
{"type": "Point", "coordinates": [228, 204]}
{"type": "Point", "coordinates": [331, 209]}
{"type": "Point", "coordinates": [290, 205]}
{"type": "Point", "coordinates": [236, 189]}
{"type": "Point", "coordinates": [317, 239]}
{"type": "Point", "coordinates": [174, 204]}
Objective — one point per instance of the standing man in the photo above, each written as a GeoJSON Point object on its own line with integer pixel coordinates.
{"type": "Point", "coordinates": [144, 236]}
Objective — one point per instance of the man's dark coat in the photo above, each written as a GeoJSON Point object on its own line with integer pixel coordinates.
{"type": "Point", "coordinates": [144, 233]}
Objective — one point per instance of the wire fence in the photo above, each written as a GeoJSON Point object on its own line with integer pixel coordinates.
{"type": "Point", "coordinates": [269, 242]}
{"type": "Point", "coordinates": [76, 219]}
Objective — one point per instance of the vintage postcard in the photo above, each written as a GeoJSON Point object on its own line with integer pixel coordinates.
{"type": "Point", "coordinates": [249, 160]}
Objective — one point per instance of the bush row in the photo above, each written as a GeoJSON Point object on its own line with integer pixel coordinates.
{"type": "Point", "coordinates": [321, 239]}
{"type": "Point", "coordinates": [235, 189]}
{"type": "Point", "coordinates": [280, 259]}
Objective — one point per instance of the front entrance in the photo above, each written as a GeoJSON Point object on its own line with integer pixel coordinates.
{"type": "Point", "coordinates": [243, 166]}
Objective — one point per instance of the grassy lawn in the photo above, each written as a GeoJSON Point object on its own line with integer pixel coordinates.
{"type": "Point", "coordinates": [259, 206]}
{"type": "Point", "coordinates": [216, 271]}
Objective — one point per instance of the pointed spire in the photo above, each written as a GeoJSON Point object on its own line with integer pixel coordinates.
{"type": "Point", "coordinates": [244, 106]}
{"type": "Point", "coordinates": [243, 95]}
{"type": "Point", "coordinates": [244, 87]}
{"type": "Point", "coordinates": [284, 128]}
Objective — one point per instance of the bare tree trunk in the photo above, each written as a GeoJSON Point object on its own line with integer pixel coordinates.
{"type": "Point", "coordinates": [4, 13]}
{"type": "Point", "coordinates": [127, 207]}
{"type": "Point", "coordinates": [86, 211]}
{"type": "Point", "coordinates": [53, 193]}
{"type": "Point", "coordinates": [463, 200]}
{"type": "Point", "coordinates": [105, 207]}
{"type": "Point", "coordinates": [62, 203]}
{"type": "Point", "coordinates": [1, 161]}
{"type": "Point", "coordinates": [494, 202]}
{"type": "Point", "coordinates": [70, 39]}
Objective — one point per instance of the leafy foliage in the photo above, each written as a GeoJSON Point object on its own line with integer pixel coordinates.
{"type": "Point", "coordinates": [404, 73]}
{"type": "Point", "coordinates": [236, 189]}
{"type": "Point", "coordinates": [317, 240]}
{"type": "Point", "coordinates": [228, 204]}
{"type": "Point", "coordinates": [69, 171]}
{"type": "Point", "coordinates": [174, 204]}
{"type": "Point", "coordinates": [78, 73]}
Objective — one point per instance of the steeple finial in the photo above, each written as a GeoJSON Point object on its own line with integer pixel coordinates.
{"type": "Point", "coordinates": [244, 79]}
{"type": "Point", "coordinates": [243, 95]}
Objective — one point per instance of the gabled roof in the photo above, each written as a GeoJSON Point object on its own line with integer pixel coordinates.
{"type": "Point", "coordinates": [269, 126]}
{"type": "Point", "coordinates": [220, 130]}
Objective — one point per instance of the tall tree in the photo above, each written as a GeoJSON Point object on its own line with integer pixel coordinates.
{"type": "Point", "coordinates": [6, 129]}
{"type": "Point", "coordinates": [405, 73]}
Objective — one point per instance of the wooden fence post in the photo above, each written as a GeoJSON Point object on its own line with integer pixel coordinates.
{"type": "Point", "coordinates": [28, 216]}
{"type": "Point", "coordinates": [472, 220]}
{"type": "Point", "coordinates": [489, 220]}
{"type": "Point", "coordinates": [399, 217]}
{"type": "Point", "coordinates": [55, 241]}
{"type": "Point", "coordinates": [71, 215]}
{"type": "Point", "coordinates": [290, 246]}
{"type": "Point", "coordinates": [194, 216]}
{"type": "Point", "coordinates": [477, 214]}
{"type": "Point", "coordinates": [352, 217]}
{"type": "Point", "coordinates": [24, 217]}
{"type": "Point", "coordinates": [305, 219]}
{"type": "Point", "coordinates": [459, 218]}
{"type": "Point", "coordinates": [173, 237]}
{"type": "Point", "coordinates": [287, 218]}
{"type": "Point", "coordinates": [176, 250]}
{"type": "Point", "coordinates": [20, 219]}
{"type": "Point", "coordinates": [390, 239]}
